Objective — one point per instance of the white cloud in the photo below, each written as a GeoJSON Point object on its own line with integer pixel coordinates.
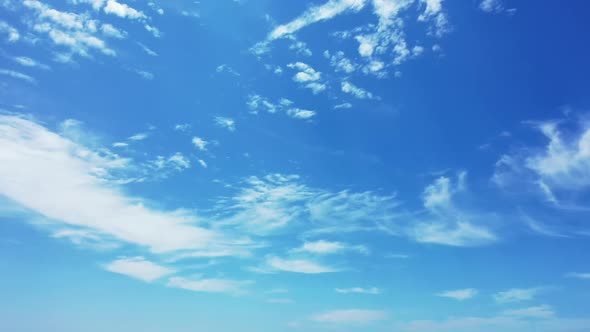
{"type": "Point", "coordinates": [359, 290]}
{"type": "Point", "coordinates": [12, 34]}
{"type": "Point", "coordinates": [147, 50]}
{"type": "Point", "coordinates": [139, 137]}
{"type": "Point", "coordinates": [200, 143]}
{"type": "Point", "coordinates": [557, 173]}
{"type": "Point", "coordinates": [120, 144]}
{"type": "Point", "coordinates": [301, 48]}
{"type": "Point", "coordinates": [300, 114]}
{"type": "Point", "coordinates": [122, 10]}
{"type": "Point", "coordinates": [355, 91]}
{"type": "Point", "coordinates": [460, 294]}
{"type": "Point", "coordinates": [343, 106]}
{"type": "Point", "coordinates": [308, 77]}
{"type": "Point", "coordinates": [71, 186]}
{"type": "Point", "coordinates": [461, 234]}
{"type": "Point", "coordinates": [177, 162]}
{"type": "Point", "coordinates": [315, 14]}
{"type": "Point", "coordinates": [563, 164]}
{"type": "Point", "coordinates": [74, 31]}
{"type": "Point", "coordinates": [224, 122]}
{"type": "Point", "coordinates": [323, 247]}
{"type": "Point", "coordinates": [28, 62]}
{"type": "Point", "coordinates": [340, 62]}
{"type": "Point", "coordinates": [257, 103]}
{"type": "Point", "coordinates": [202, 163]}
{"type": "Point", "coordinates": [209, 285]}
{"type": "Point", "coordinates": [17, 75]}
{"type": "Point", "coordinates": [491, 6]}
{"type": "Point", "coordinates": [182, 127]}
{"type": "Point", "coordinates": [355, 316]}
{"type": "Point", "coordinates": [96, 4]}
{"type": "Point", "coordinates": [542, 311]}
{"type": "Point", "coordinates": [446, 223]}
{"type": "Point", "coordinates": [298, 266]}
{"type": "Point", "coordinates": [146, 75]}
{"type": "Point", "coordinates": [305, 72]}
{"type": "Point", "coordinates": [224, 68]}
{"type": "Point", "coordinates": [110, 31]}
{"type": "Point", "coordinates": [153, 30]}
{"type": "Point", "coordinates": [516, 295]}
{"type": "Point", "coordinates": [139, 268]}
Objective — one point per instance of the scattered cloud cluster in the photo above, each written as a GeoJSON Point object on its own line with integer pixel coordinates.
{"type": "Point", "coordinates": [257, 103]}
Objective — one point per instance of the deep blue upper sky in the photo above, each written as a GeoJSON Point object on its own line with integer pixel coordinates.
{"type": "Point", "coordinates": [257, 165]}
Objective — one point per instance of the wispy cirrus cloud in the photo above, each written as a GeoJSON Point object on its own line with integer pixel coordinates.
{"type": "Point", "coordinates": [517, 295]}
{"type": "Point", "coordinates": [18, 75]}
{"type": "Point", "coordinates": [211, 285]}
{"type": "Point", "coordinates": [323, 247]}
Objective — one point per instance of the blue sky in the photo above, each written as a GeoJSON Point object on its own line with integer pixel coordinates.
{"type": "Point", "coordinates": [326, 165]}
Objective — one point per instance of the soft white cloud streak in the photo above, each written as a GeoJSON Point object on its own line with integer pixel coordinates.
{"type": "Point", "coordinates": [139, 268]}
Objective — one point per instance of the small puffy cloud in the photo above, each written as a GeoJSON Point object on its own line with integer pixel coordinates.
{"type": "Point", "coordinates": [298, 266]}
{"type": "Point", "coordinates": [300, 114]}
{"type": "Point", "coordinates": [110, 31]}
{"type": "Point", "coordinates": [340, 62]}
{"type": "Point", "coordinates": [139, 268]}
{"type": "Point", "coordinates": [202, 163]}
{"type": "Point", "coordinates": [11, 33]}
{"type": "Point", "coordinates": [153, 30]}
{"type": "Point", "coordinates": [202, 285]}
{"type": "Point", "coordinates": [200, 143]}
{"type": "Point", "coordinates": [177, 162]}
{"type": "Point", "coordinates": [350, 316]}
{"type": "Point", "coordinates": [226, 123]}
{"type": "Point", "coordinates": [491, 6]}
{"type": "Point", "coordinates": [305, 72]}
{"type": "Point", "coordinates": [359, 290]}
{"type": "Point", "coordinates": [257, 103]}
{"type": "Point", "coordinates": [459, 294]}
{"type": "Point", "coordinates": [355, 91]}
{"type": "Point", "coordinates": [122, 10]}
{"type": "Point", "coordinates": [182, 127]}
{"type": "Point", "coordinates": [516, 295]}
